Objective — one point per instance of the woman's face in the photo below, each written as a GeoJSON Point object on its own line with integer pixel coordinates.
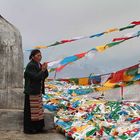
{"type": "Point", "coordinates": [37, 57]}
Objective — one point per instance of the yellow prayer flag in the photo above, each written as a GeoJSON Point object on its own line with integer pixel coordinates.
{"type": "Point", "coordinates": [101, 48]}
{"type": "Point", "coordinates": [127, 77]}
{"type": "Point", "coordinates": [83, 81]}
{"type": "Point", "coordinates": [106, 86]}
{"type": "Point", "coordinates": [81, 128]}
{"type": "Point", "coordinates": [41, 47]}
{"type": "Point", "coordinates": [111, 30]}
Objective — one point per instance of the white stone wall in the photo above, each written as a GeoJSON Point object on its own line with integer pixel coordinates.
{"type": "Point", "coordinates": [11, 66]}
{"type": "Point", "coordinates": [11, 56]}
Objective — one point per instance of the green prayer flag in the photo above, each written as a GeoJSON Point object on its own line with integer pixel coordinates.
{"type": "Point", "coordinates": [114, 43]}
{"type": "Point", "coordinates": [127, 27]}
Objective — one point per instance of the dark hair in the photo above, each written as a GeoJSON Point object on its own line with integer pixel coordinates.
{"type": "Point", "coordinates": [33, 53]}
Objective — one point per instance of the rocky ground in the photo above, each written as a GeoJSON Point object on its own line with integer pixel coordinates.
{"type": "Point", "coordinates": [17, 135]}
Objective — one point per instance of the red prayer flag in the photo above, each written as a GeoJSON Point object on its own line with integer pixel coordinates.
{"type": "Point", "coordinates": [81, 55]}
{"type": "Point", "coordinates": [60, 68]}
{"type": "Point", "coordinates": [117, 76]}
{"type": "Point", "coordinates": [122, 38]}
{"type": "Point", "coordinates": [65, 41]}
{"type": "Point", "coordinates": [136, 22]}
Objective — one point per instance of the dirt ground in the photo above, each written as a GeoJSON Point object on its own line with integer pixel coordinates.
{"type": "Point", "coordinates": [16, 135]}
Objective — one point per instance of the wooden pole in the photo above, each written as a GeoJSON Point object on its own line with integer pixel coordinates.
{"type": "Point", "coordinates": [122, 96]}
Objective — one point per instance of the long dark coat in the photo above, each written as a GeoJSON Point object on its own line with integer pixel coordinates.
{"type": "Point", "coordinates": [34, 79]}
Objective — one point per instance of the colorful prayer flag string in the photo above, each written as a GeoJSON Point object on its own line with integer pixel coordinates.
{"type": "Point", "coordinates": [58, 65]}
{"type": "Point", "coordinates": [131, 25]}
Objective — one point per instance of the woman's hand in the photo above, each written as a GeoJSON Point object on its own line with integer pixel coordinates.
{"type": "Point", "coordinates": [44, 66]}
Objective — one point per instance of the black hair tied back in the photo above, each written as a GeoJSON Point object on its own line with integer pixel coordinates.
{"type": "Point", "coordinates": [33, 53]}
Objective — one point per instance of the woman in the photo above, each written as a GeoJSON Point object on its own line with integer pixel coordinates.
{"type": "Point", "coordinates": [34, 75]}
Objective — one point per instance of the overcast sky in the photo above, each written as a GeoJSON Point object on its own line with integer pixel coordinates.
{"type": "Point", "coordinates": [42, 22]}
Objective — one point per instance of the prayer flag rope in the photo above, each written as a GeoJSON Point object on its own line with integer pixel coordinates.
{"type": "Point", "coordinates": [58, 65]}
{"type": "Point", "coordinates": [131, 25]}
